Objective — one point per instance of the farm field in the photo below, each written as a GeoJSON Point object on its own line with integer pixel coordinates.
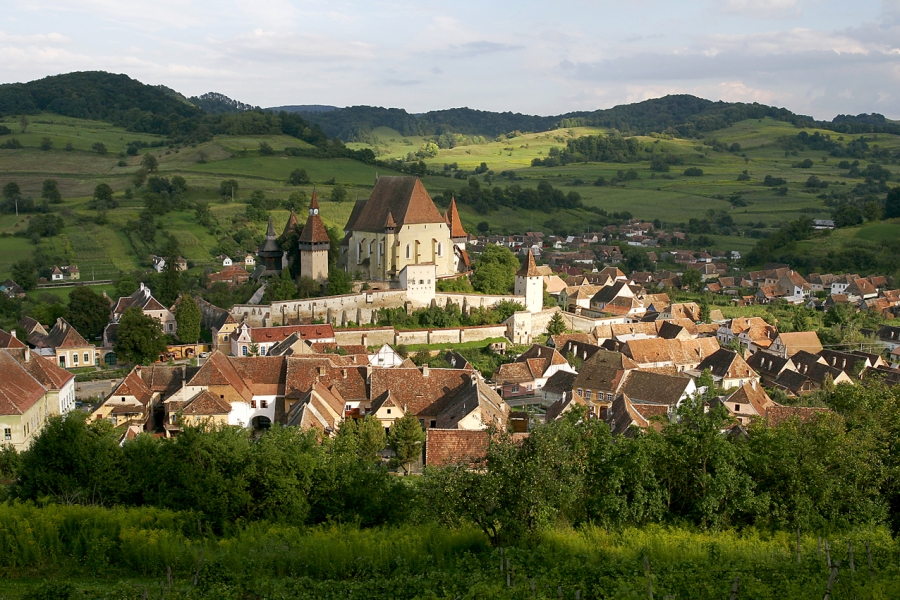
{"type": "Point", "coordinates": [672, 197]}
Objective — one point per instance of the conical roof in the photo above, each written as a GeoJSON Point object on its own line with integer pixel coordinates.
{"type": "Point", "coordinates": [456, 227]}
{"type": "Point", "coordinates": [529, 267]}
{"type": "Point", "coordinates": [389, 222]}
{"type": "Point", "coordinates": [291, 223]}
{"type": "Point", "coordinates": [270, 246]}
{"type": "Point", "coordinates": [314, 231]}
{"type": "Point", "coordinates": [270, 233]}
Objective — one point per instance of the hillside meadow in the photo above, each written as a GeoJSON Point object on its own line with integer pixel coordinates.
{"type": "Point", "coordinates": [673, 198]}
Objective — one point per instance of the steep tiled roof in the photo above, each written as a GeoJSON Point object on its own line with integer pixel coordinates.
{"type": "Point", "coordinates": [755, 396]}
{"type": "Point", "coordinates": [276, 334]}
{"type": "Point", "coordinates": [530, 269]}
{"type": "Point", "coordinates": [646, 387]}
{"type": "Point", "coordinates": [404, 197]}
{"type": "Point", "coordinates": [622, 416]}
{"type": "Point", "coordinates": [680, 352]}
{"type": "Point", "coordinates": [134, 385]}
{"type": "Point", "coordinates": [801, 340]}
{"type": "Point", "coordinates": [727, 364]}
{"type": "Point", "coordinates": [494, 411]}
{"type": "Point", "coordinates": [206, 404]}
{"type": "Point", "coordinates": [516, 372]}
{"type": "Point", "coordinates": [263, 375]}
{"type": "Point", "coordinates": [19, 390]}
{"type": "Point", "coordinates": [292, 221]}
{"type": "Point", "coordinates": [45, 370]}
{"type": "Point", "coordinates": [560, 382]}
{"type": "Point", "coordinates": [420, 393]}
{"type": "Point", "coordinates": [456, 227]}
{"type": "Point", "coordinates": [7, 340]}
{"type": "Point", "coordinates": [304, 370]}
{"type": "Point", "coordinates": [777, 414]}
{"type": "Point", "coordinates": [454, 446]}
{"type": "Point", "coordinates": [314, 231]}
{"type": "Point", "coordinates": [219, 371]}
{"type": "Point", "coordinates": [603, 371]}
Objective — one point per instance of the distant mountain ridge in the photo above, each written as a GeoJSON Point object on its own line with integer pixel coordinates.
{"type": "Point", "coordinates": [124, 101]}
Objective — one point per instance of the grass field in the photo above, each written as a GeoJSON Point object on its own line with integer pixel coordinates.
{"type": "Point", "coordinates": [673, 199]}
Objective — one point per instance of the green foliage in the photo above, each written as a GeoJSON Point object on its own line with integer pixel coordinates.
{"type": "Point", "coordinates": [298, 177]}
{"type": "Point", "coordinates": [24, 272]}
{"type": "Point", "coordinates": [406, 438]}
{"type": "Point", "coordinates": [265, 149]}
{"type": "Point", "coordinates": [99, 148]}
{"type": "Point", "coordinates": [103, 198]}
{"type": "Point", "coordinates": [139, 338]}
{"type": "Point", "coordinates": [88, 312]}
{"type": "Point", "coordinates": [892, 204]}
{"type": "Point", "coordinates": [150, 163]}
{"type": "Point", "coordinates": [50, 191]}
{"type": "Point", "coordinates": [693, 172]}
{"type": "Point", "coordinates": [455, 284]}
{"type": "Point", "coordinates": [282, 288]}
{"type": "Point", "coordinates": [339, 282]}
{"type": "Point", "coordinates": [495, 270]}
{"type": "Point", "coordinates": [187, 315]}
{"type": "Point", "coordinates": [46, 225]}
{"type": "Point", "coordinates": [338, 193]}
{"type": "Point", "coordinates": [364, 437]}
{"type": "Point", "coordinates": [228, 189]}
{"type": "Point", "coordinates": [557, 325]}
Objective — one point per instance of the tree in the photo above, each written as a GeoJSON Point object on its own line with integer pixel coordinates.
{"type": "Point", "coordinates": [99, 148]}
{"type": "Point", "coordinates": [892, 204]}
{"type": "Point", "coordinates": [50, 191]}
{"type": "Point", "coordinates": [139, 338]}
{"type": "Point", "coordinates": [25, 273]}
{"type": "Point", "coordinates": [139, 177]}
{"type": "Point", "coordinates": [557, 324]}
{"type": "Point", "coordinates": [483, 227]}
{"type": "Point", "coordinates": [187, 316]}
{"type": "Point", "coordinates": [88, 312]}
{"type": "Point", "coordinates": [150, 163]}
{"type": "Point", "coordinates": [298, 177]}
{"type": "Point", "coordinates": [11, 191]}
{"type": "Point", "coordinates": [405, 439]}
{"type": "Point", "coordinates": [228, 189]}
{"type": "Point", "coordinates": [46, 144]}
{"type": "Point", "coordinates": [495, 271]}
{"type": "Point", "coordinates": [692, 279]}
{"type": "Point", "coordinates": [23, 123]}
{"type": "Point", "coordinates": [103, 198]}
{"type": "Point", "coordinates": [339, 282]}
{"type": "Point", "coordinates": [363, 437]}
{"type": "Point", "coordinates": [170, 281]}
{"type": "Point", "coordinates": [265, 149]}
{"type": "Point", "coordinates": [338, 193]}
{"type": "Point", "coordinates": [282, 288]}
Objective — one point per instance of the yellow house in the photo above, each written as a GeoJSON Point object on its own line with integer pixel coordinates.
{"type": "Point", "coordinates": [32, 389]}
{"type": "Point", "coordinates": [398, 225]}
{"type": "Point", "coordinates": [70, 348]}
{"type": "Point", "coordinates": [206, 408]}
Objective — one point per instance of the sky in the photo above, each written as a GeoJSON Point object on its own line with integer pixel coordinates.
{"type": "Point", "coordinates": [814, 57]}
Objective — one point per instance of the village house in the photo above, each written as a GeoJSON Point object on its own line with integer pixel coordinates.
{"type": "Point", "coordinates": [600, 379]}
{"type": "Point", "coordinates": [63, 343]}
{"type": "Point", "coordinates": [527, 375]}
{"type": "Point", "coordinates": [143, 299]}
{"type": "Point", "coordinates": [788, 344]}
{"type": "Point", "coordinates": [683, 355]}
{"type": "Point", "coordinates": [728, 369]}
{"type": "Point", "coordinates": [750, 401]}
{"type": "Point", "coordinates": [249, 341]}
{"type": "Point", "coordinates": [32, 389]}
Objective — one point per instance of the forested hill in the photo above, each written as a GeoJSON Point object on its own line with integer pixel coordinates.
{"type": "Point", "coordinates": [93, 95]}
{"type": "Point", "coordinates": [682, 115]}
{"type": "Point", "coordinates": [216, 104]}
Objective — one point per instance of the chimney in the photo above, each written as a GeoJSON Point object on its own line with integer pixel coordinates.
{"type": "Point", "coordinates": [12, 332]}
{"type": "Point", "coordinates": [425, 370]}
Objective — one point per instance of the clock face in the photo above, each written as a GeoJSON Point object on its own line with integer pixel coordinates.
{"type": "Point", "coordinates": [314, 211]}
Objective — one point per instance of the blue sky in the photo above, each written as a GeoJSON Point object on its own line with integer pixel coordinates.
{"type": "Point", "coordinates": [817, 57]}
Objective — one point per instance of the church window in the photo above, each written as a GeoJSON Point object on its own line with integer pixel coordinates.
{"type": "Point", "coordinates": [380, 251]}
{"type": "Point", "coordinates": [440, 248]}
{"type": "Point", "coordinates": [408, 251]}
{"type": "Point", "coordinates": [358, 252]}
{"type": "Point", "coordinates": [370, 247]}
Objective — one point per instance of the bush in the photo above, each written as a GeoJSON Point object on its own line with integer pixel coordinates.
{"type": "Point", "coordinates": [99, 148]}
{"type": "Point", "coordinates": [693, 172]}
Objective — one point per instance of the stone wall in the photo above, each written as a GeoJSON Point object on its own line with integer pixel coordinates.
{"type": "Point", "coordinates": [377, 336]}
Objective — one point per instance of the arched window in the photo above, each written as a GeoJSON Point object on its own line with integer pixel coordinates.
{"type": "Point", "coordinates": [408, 251]}
{"type": "Point", "coordinates": [370, 247]}
{"type": "Point", "coordinates": [380, 251]}
{"type": "Point", "coordinates": [440, 248]}
{"type": "Point", "coordinates": [358, 252]}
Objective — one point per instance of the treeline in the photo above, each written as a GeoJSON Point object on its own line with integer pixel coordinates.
{"type": "Point", "coordinates": [835, 470]}
{"type": "Point", "coordinates": [484, 200]}
{"type": "Point", "coordinates": [858, 148]}
{"type": "Point", "coordinates": [593, 148]}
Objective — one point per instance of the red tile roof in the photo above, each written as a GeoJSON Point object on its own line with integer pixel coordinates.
{"type": "Point", "coordinates": [453, 220]}
{"type": "Point", "coordinates": [404, 197]}
{"type": "Point", "coordinates": [314, 231]}
{"type": "Point", "coordinates": [454, 446]}
{"type": "Point", "coordinates": [19, 390]}
{"type": "Point", "coordinates": [277, 334]}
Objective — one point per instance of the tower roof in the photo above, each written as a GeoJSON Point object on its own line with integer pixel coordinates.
{"type": "Point", "coordinates": [270, 232]}
{"type": "Point", "coordinates": [389, 222]}
{"type": "Point", "coordinates": [270, 246]}
{"type": "Point", "coordinates": [291, 223]}
{"type": "Point", "coordinates": [453, 220]}
{"type": "Point", "coordinates": [314, 231]}
{"type": "Point", "coordinates": [404, 197]}
{"type": "Point", "coordinates": [529, 267]}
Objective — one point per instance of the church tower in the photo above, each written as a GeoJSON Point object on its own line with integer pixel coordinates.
{"type": "Point", "coordinates": [458, 237]}
{"type": "Point", "coordinates": [270, 253]}
{"type": "Point", "coordinates": [314, 245]}
{"type": "Point", "coordinates": [530, 283]}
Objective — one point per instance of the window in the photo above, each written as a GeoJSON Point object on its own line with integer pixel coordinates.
{"type": "Point", "coordinates": [253, 404]}
{"type": "Point", "coordinates": [358, 252]}
{"type": "Point", "coordinates": [225, 338]}
{"type": "Point", "coordinates": [380, 251]}
{"type": "Point", "coordinates": [440, 248]}
{"type": "Point", "coordinates": [433, 424]}
{"type": "Point", "coordinates": [587, 394]}
{"type": "Point", "coordinates": [87, 358]}
{"type": "Point", "coordinates": [171, 326]}
{"type": "Point", "coordinates": [264, 404]}
{"type": "Point", "coordinates": [422, 423]}
{"type": "Point", "coordinates": [370, 247]}
{"type": "Point", "coordinates": [262, 350]}
{"type": "Point", "coordinates": [408, 251]}
{"type": "Point", "coordinates": [243, 350]}
{"type": "Point", "coordinates": [173, 418]}
{"type": "Point", "coordinates": [388, 411]}
{"type": "Point", "coordinates": [580, 391]}
{"type": "Point", "coordinates": [74, 358]}
{"type": "Point", "coordinates": [737, 408]}
{"type": "Point", "coordinates": [7, 434]}
{"type": "Point", "coordinates": [528, 388]}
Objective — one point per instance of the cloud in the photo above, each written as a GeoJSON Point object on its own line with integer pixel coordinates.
{"type": "Point", "coordinates": [763, 9]}
{"type": "Point", "coordinates": [262, 46]}
{"type": "Point", "coordinates": [402, 82]}
{"type": "Point", "coordinates": [480, 48]}
{"type": "Point", "coordinates": [161, 14]}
